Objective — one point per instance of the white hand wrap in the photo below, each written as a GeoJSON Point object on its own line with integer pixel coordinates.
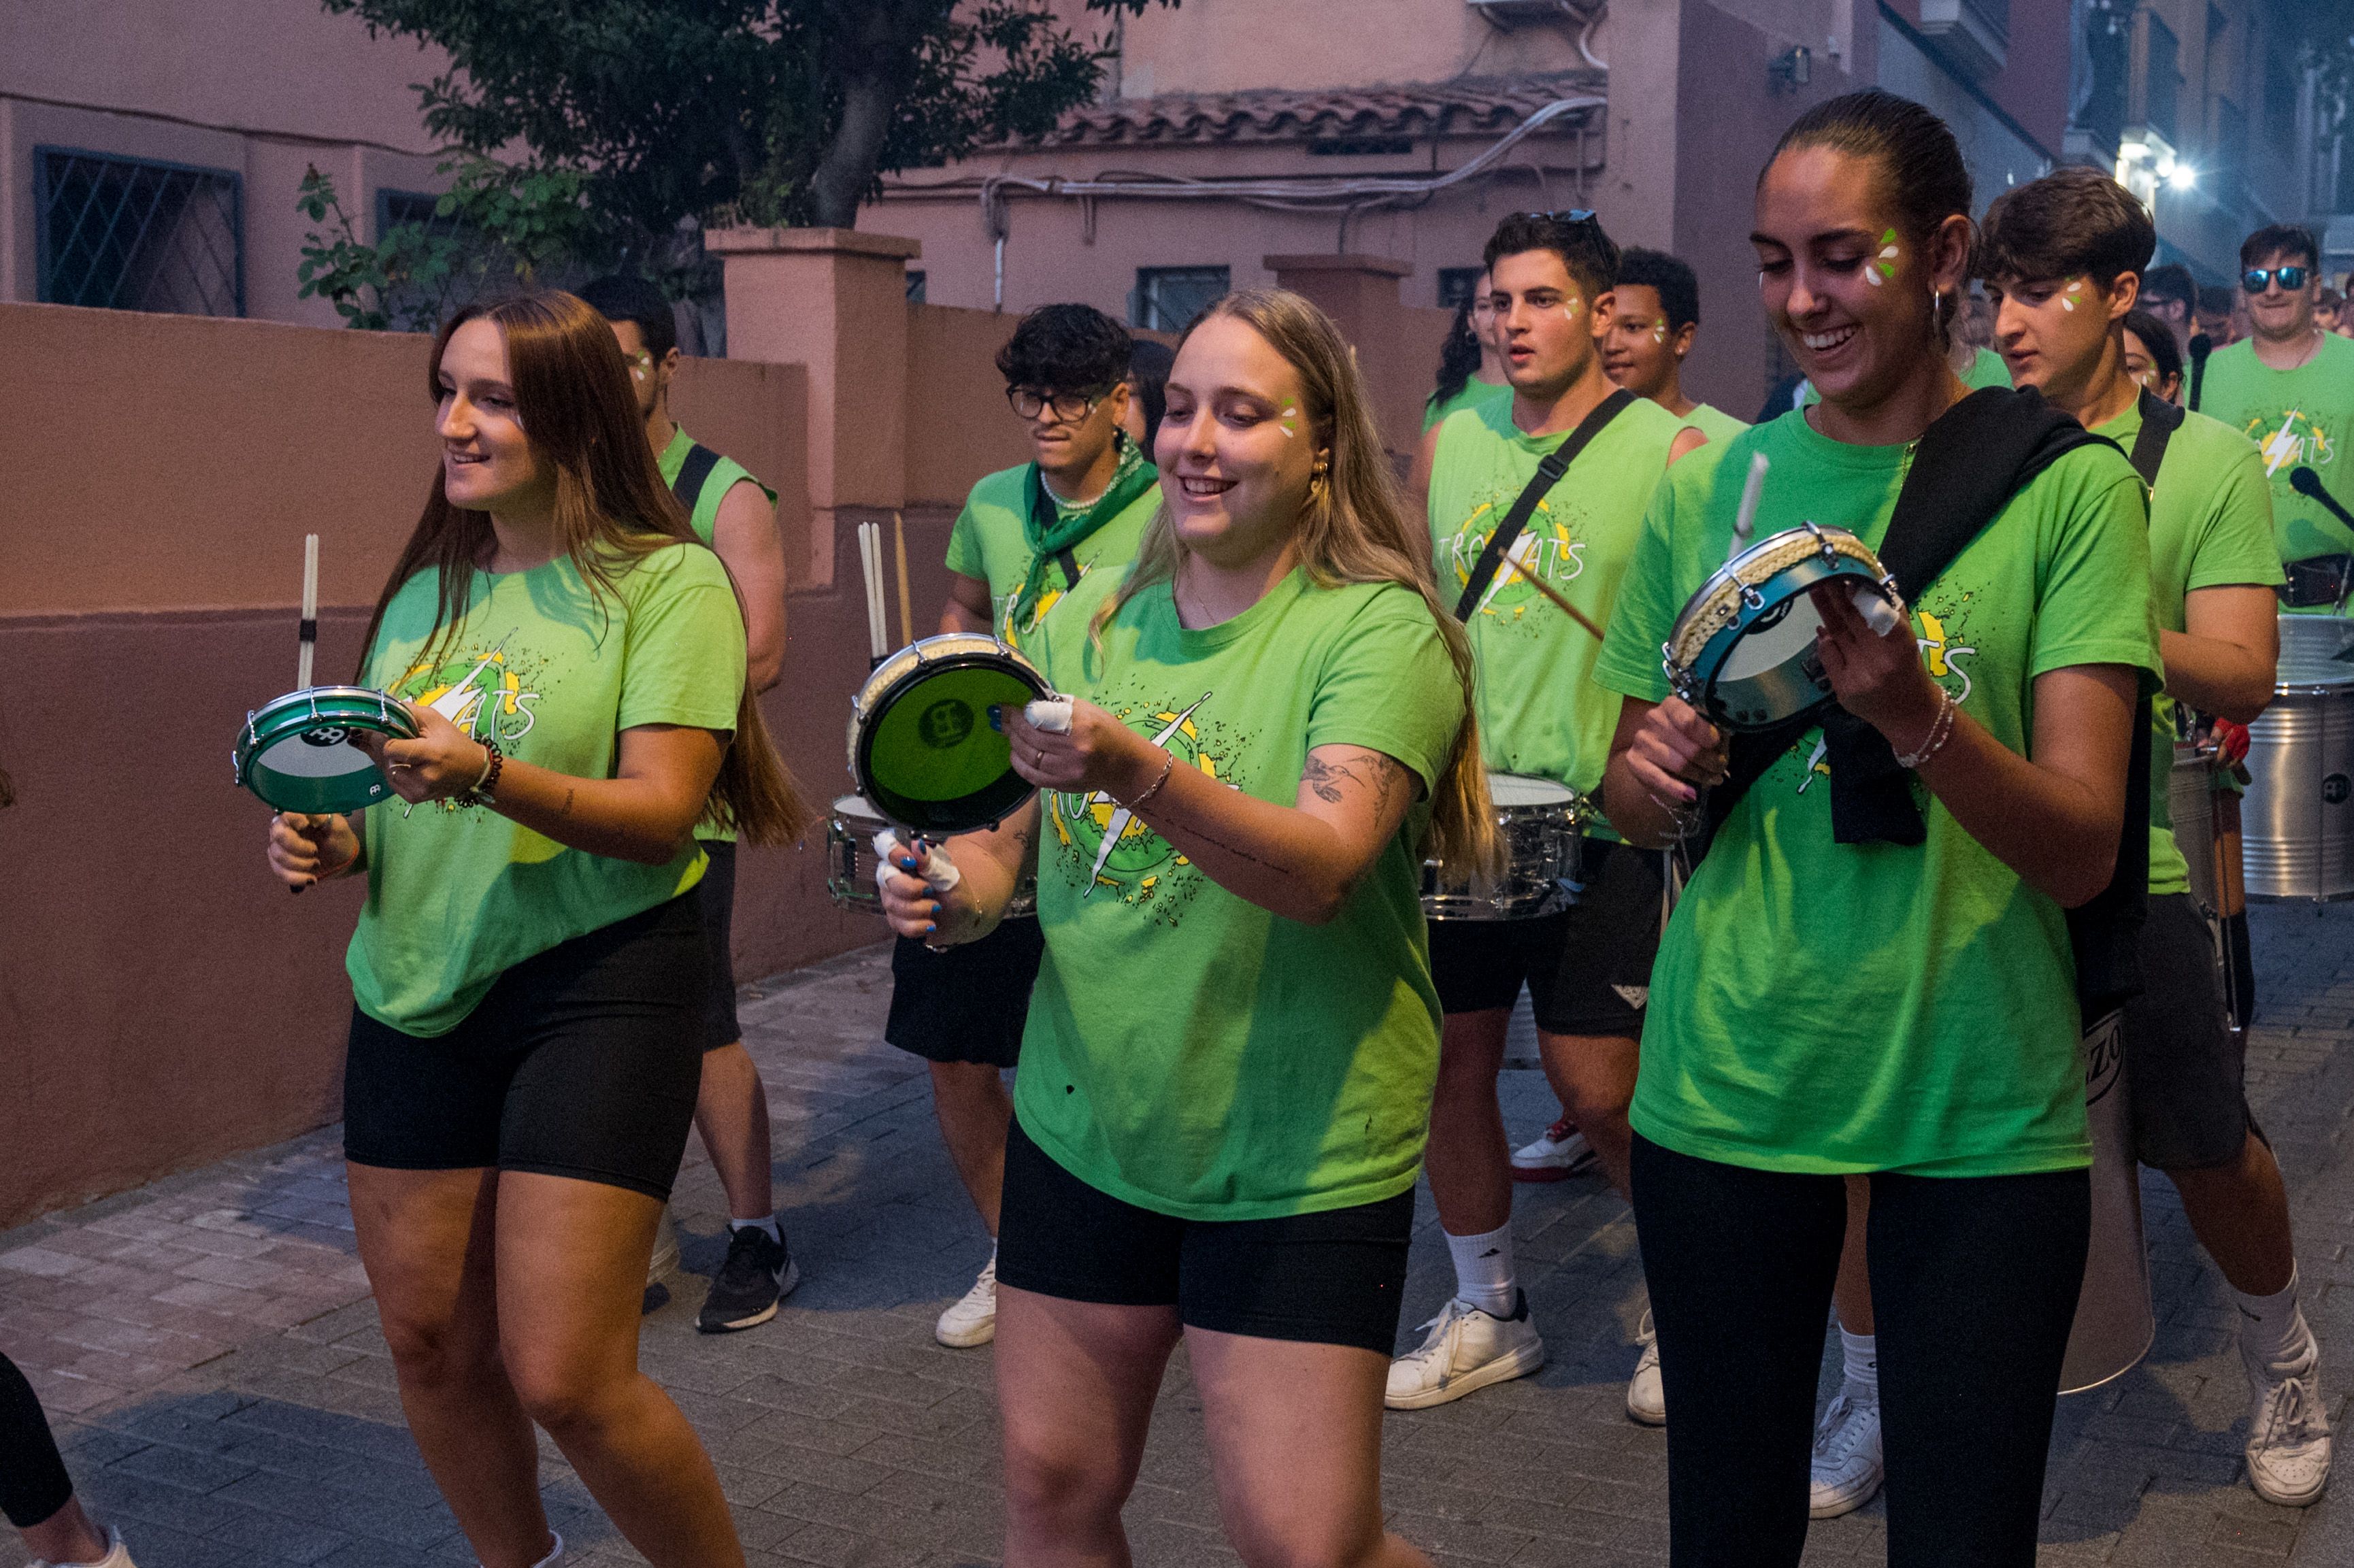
{"type": "Point", "coordinates": [1050, 714]}
{"type": "Point", "coordinates": [938, 871]}
{"type": "Point", "coordinates": [1878, 613]}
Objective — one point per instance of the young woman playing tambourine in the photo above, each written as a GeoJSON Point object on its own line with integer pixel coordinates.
{"type": "Point", "coordinates": [1227, 1074]}
{"type": "Point", "coordinates": [528, 968]}
{"type": "Point", "coordinates": [1898, 1002]}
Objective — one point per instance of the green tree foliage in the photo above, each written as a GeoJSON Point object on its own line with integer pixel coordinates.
{"type": "Point", "coordinates": [760, 111]}
{"type": "Point", "coordinates": [496, 224]}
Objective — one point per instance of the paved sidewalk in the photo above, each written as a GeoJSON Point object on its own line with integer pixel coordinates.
{"type": "Point", "coordinates": [211, 1359]}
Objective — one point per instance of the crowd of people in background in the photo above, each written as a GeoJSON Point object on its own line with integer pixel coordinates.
{"type": "Point", "coordinates": [1817, 1008]}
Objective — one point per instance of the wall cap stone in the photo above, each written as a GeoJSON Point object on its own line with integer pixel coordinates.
{"type": "Point", "coordinates": [848, 241]}
{"type": "Point", "coordinates": [1329, 261]}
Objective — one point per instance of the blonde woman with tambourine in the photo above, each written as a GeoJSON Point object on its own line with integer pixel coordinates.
{"type": "Point", "coordinates": [1227, 1074]}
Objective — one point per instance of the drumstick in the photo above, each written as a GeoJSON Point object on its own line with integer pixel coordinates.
{"type": "Point", "coordinates": [308, 632]}
{"type": "Point", "coordinates": [907, 605]}
{"type": "Point", "coordinates": [870, 564]}
{"type": "Point", "coordinates": [1745, 522]}
{"type": "Point", "coordinates": [1560, 603]}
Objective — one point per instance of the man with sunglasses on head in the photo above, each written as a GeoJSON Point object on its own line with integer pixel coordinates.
{"type": "Point", "coordinates": [2289, 388]}
{"type": "Point", "coordinates": [1587, 968]}
{"type": "Point", "coordinates": [1025, 537]}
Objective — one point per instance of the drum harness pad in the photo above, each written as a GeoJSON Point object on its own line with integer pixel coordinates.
{"type": "Point", "coordinates": [1967, 467]}
{"type": "Point", "coordinates": [1550, 470]}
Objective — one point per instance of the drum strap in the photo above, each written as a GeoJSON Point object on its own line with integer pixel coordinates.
{"type": "Point", "coordinates": [1968, 464]}
{"type": "Point", "coordinates": [2159, 420]}
{"type": "Point", "coordinates": [693, 474]}
{"type": "Point", "coordinates": [1549, 471]}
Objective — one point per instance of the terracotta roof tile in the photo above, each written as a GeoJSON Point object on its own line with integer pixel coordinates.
{"type": "Point", "coordinates": [1468, 106]}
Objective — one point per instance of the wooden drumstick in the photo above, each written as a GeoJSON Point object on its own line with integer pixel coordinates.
{"type": "Point", "coordinates": [907, 605]}
{"type": "Point", "coordinates": [309, 631]}
{"type": "Point", "coordinates": [1560, 603]}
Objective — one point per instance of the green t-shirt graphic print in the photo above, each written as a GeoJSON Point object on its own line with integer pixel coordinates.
{"type": "Point", "coordinates": [2297, 419]}
{"type": "Point", "coordinates": [1828, 1008]}
{"type": "Point", "coordinates": [1187, 1050]}
{"type": "Point", "coordinates": [554, 673]}
{"type": "Point", "coordinates": [988, 542]}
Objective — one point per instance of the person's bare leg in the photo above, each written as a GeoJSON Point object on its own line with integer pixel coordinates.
{"type": "Point", "coordinates": [1852, 1293]}
{"type": "Point", "coordinates": [731, 1112]}
{"type": "Point", "coordinates": [1295, 1434]}
{"type": "Point", "coordinates": [427, 1240]}
{"type": "Point", "coordinates": [1468, 1160]}
{"type": "Point", "coordinates": [572, 1262]}
{"type": "Point", "coordinates": [1595, 1073]}
{"type": "Point", "coordinates": [69, 1535]}
{"type": "Point", "coordinates": [974, 1111]}
{"type": "Point", "coordinates": [1075, 1382]}
{"type": "Point", "coordinates": [2239, 1214]}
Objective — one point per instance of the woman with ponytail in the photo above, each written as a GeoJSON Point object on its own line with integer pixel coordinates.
{"type": "Point", "coordinates": [528, 973]}
{"type": "Point", "coordinates": [1227, 1074]}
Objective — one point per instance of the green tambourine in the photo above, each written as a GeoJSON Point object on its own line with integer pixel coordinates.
{"type": "Point", "coordinates": [298, 755]}
{"type": "Point", "coordinates": [921, 747]}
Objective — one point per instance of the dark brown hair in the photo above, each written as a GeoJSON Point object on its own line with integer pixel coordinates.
{"type": "Point", "coordinates": [573, 399]}
{"type": "Point", "coordinates": [2070, 221]}
{"type": "Point", "coordinates": [1589, 254]}
{"type": "Point", "coordinates": [2289, 239]}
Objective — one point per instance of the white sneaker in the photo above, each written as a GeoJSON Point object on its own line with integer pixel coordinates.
{"type": "Point", "coordinates": [1467, 1348]}
{"type": "Point", "coordinates": [1646, 1402]}
{"type": "Point", "coordinates": [972, 1318]}
{"type": "Point", "coordinates": [1847, 1465]}
{"type": "Point", "coordinates": [2288, 1430]}
{"type": "Point", "coordinates": [1559, 1152]}
{"type": "Point", "coordinates": [117, 1555]}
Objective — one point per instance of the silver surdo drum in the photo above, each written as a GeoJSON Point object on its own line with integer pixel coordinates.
{"type": "Point", "coordinates": [2115, 1319]}
{"type": "Point", "coordinates": [1542, 825]}
{"type": "Point", "coordinates": [2296, 824]}
{"type": "Point", "coordinates": [851, 860]}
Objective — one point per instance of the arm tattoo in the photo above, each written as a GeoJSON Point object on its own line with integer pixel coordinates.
{"type": "Point", "coordinates": [1379, 769]}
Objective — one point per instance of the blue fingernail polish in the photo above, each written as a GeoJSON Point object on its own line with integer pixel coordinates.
{"type": "Point", "coordinates": [931, 930]}
{"type": "Point", "coordinates": [997, 718]}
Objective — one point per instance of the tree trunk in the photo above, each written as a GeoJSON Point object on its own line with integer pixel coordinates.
{"type": "Point", "coordinates": [842, 176]}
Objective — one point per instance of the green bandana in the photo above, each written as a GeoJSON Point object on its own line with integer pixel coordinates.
{"type": "Point", "coordinates": [1052, 528]}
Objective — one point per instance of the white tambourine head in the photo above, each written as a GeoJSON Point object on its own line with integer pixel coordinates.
{"type": "Point", "coordinates": [1051, 715]}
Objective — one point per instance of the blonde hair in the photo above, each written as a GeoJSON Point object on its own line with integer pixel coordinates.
{"type": "Point", "coordinates": [1354, 528]}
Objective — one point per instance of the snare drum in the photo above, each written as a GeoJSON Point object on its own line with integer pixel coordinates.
{"type": "Point", "coordinates": [921, 747]}
{"type": "Point", "coordinates": [298, 755]}
{"type": "Point", "coordinates": [851, 862]}
{"type": "Point", "coordinates": [1542, 825]}
{"type": "Point", "coordinates": [1743, 652]}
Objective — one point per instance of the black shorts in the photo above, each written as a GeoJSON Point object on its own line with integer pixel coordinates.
{"type": "Point", "coordinates": [1588, 969]}
{"type": "Point", "coordinates": [582, 1061]}
{"type": "Point", "coordinates": [2184, 1069]}
{"type": "Point", "coordinates": [717, 894]}
{"type": "Point", "coordinates": [970, 1002]}
{"type": "Point", "coordinates": [1335, 1277]}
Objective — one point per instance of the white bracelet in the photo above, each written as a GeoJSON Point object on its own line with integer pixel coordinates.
{"type": "Point", "coordinates": [1941, 730]}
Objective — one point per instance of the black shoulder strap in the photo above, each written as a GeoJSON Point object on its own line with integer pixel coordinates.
{"type": "Point", "coordinates": [692, 475]}
{"type": "Point", "coordinates": [2159, 420]}
{"type": "Point", "coordinates": [1549, 471]}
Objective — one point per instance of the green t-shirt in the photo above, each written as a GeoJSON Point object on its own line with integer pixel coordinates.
{"type": "Point", "coordinates": [1827, 1008]}
{"type": "Point", "coordinates": [1188, 1050]}
{"type": "Point", "coordinates": [458, 895]}
{"type": "Point", "coordinates": [988, 542]}
{"type": "Point", "coordinates": [1714, 423]}
{"type": "Point", "coordinates": [1540, 715]}
{"type": "Point", "coordinates": [724, 475]}
{"type": "Point", "coordinates": [2297, 419]}
{"type": "Point", "coordinates": [2210, 524]}
{"type": "Point", "coordinates": [1473, 394]}
{"type": "Point", "coordinates": [1986, 369]}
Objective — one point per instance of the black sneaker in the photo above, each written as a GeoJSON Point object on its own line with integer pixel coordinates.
{"type": "Point", "coordinates": [759, 1274]}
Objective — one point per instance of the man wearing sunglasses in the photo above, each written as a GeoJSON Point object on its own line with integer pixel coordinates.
{"type": "Point", "coordinates": [1026, 537]}
{"type": "Point", "coordinates": [2289, 388]}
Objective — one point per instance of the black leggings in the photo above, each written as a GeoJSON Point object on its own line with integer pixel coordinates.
{"type": "Point", "coordinates": [1973, 1285]}
{"type": "Point", "coordinates": [33, 1484]}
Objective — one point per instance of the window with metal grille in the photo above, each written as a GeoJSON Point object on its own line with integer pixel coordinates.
{"type": "Point", "coordinates": [1167, 299]}
{"type": "Point", "coordinates": [137, 235]}
{"type": "Point", "coordinates": [914, 285]}
{"type": "Point", "coordinates": [1456, 283]}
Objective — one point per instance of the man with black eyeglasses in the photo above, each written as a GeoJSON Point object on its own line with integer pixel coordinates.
{"type": "Point", "coordinates": [2289, 388]}
{"type": "Point", "coordinates": [1026, 537]}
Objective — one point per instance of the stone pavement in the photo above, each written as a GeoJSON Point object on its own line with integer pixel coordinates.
{"type": "Point", "coordinates": [211, 1359]}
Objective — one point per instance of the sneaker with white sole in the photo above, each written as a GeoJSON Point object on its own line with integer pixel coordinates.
{"type": "Point", "coordinates": [972, 1318]}
{"type": "Point", "coordinates": [1560, 1153]}
{"type": "Point", "coordinates": [1646, 1402]}
{"type": "Point", "coordinates": [1466, 1348]}
{"type": "Point", "coordinates": [758, 1272]}
{"type": "Point", "coordinates": [2288, 1430]}
{"type": "Point", "coordinates": [1846, 1467]}
{"type": "Point", "coordinates": [117, 1556]}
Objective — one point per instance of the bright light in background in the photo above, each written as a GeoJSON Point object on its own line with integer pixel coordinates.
{"type": "Point", "coordinates": [2182, 177]}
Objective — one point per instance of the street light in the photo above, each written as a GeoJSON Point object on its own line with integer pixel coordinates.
{"type": "Point", "coordinates": [2182, 176]}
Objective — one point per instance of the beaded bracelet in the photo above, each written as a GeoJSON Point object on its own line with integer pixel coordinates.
{"type": "Point", "coordinates": [1941, 730]}
{"type": "Point", "coordinates": [483, 787]}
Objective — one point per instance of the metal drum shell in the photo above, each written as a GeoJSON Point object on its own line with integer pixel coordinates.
{"type": "Point", "coordinates": [2298, 819]}
{"type": "Point", "coordinates": [2191, 810]}
{"type": "Point", "coordinates": [1756, 588]}
{"type": "Point", "coordinates": [309, 710]}
{"type": "Point", "coordinates": [850, 861]}
{"type": "Point", "coordinates": [890, 679]}
{"type": "Point", "coordinates": [2115, 1320]}
{"type": "Point", "coordinates": [1544, 861]}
